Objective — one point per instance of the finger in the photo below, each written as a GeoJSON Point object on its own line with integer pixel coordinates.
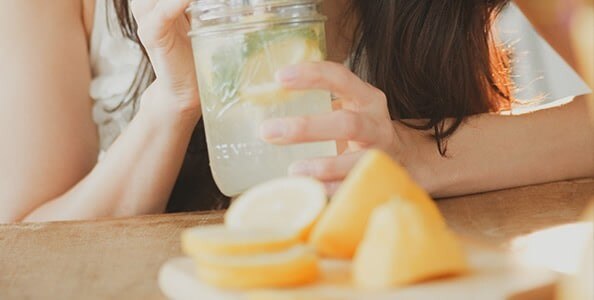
{"type": "Point", "coordinates": [341, 125]}
{"type": "Point", "coordinates": [341, 146]}
{"type": "Point", "coordinates": [326, 168]}
{"type": "Point", "coordinates": [154, 26]}
{"type": "Point", "coordinates": [329, 76]}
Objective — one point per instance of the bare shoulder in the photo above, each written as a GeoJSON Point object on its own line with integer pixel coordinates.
{"type": "Point", "coordinates": [20, 17]}
{"type": "Point", "coordinates": [44, 95]}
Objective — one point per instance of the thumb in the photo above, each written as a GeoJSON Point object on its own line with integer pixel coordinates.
{"type": "Point", "coordinates": [155, 19]}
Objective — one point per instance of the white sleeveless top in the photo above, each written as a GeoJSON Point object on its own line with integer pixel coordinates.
{"type": "Point", "coordinates": [114, 61]}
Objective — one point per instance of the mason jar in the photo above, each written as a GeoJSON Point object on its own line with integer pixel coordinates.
{"type": "Point", "coordinates": [238, 47]}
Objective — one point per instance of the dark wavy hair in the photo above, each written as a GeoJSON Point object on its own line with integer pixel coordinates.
{"type": "Point", "coordinates": [437, 61]}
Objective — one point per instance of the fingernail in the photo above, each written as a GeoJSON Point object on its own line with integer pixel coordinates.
{"type": "Point", "coordinates": [272, 130]}
{"type": "Point", "coordinates": [287, 74]}
{"type": "Point", "coordinates": [300, 168]}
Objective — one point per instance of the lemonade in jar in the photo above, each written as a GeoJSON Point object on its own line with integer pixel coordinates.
{"type": "Point", "coordinates": [238, 48]}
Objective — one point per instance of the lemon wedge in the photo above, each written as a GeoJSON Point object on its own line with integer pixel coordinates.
{"type": "Point", "coordinates": [290, 204]}
{"type": "Point", "coordinates": [403, 245]}
{"type": "Point", "coordinates": [220, 240]}
{"type": "Point", "coordinates": [293, 267]}
{"type": "Point", "coordinates": [374, 180]}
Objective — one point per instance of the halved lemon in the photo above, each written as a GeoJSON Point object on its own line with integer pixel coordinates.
{"type": "Point", "coordinates": [294, 267]}
{"type": "Point", "coordinates": [290, 204]}
{"type": "Point", "coordinates": [220, 240]}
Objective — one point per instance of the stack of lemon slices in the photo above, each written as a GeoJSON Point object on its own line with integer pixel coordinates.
{"type": "Point", "coordinates": [380, 219]}
{"type": "Point", "coordinates": [262, 243]}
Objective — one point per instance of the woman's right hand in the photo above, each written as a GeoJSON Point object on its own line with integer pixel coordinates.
{"type": "Point", "coordinates": [163, 30]}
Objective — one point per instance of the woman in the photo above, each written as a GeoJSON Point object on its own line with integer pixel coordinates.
{"type": "Point", "coordinates": [436, 71]}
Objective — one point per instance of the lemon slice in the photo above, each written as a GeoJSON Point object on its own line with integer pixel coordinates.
{"type": "Point", "coordinates": [293, 267]}
{"type": "Point", "coordinates": [259, 85]}
{"type": "Point", "coordinates": [262, 66]}
{"type": "Point", "coordinates": [219, 240]}
{"type": "Point", "coordinates": [290, 204]}
{"type": "Point", "coordinates": [266, 93]}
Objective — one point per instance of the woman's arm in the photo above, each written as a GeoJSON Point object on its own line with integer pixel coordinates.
{"type": "Point", "coordinates": [136, 175]}
{"type": "Point", "coordinates": [487, 152]}
{"type": "Point", "coordinates": [49, 143]}
{"type": "Point", "coordinates": [491, 152]}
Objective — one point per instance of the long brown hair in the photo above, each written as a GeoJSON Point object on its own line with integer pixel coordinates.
{"type": "Point", "coordinates": [435, 60]}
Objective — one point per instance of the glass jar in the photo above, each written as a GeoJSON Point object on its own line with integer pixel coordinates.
{"type": "Point", "coordinates": [238, 47]}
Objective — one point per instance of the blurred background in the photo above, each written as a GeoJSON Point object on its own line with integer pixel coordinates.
{"type": "Point", "coordinates": [568, 26]}
{"type": "Point", "coordinates": [545, 77]}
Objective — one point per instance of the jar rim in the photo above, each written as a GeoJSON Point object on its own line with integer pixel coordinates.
{"type": "Point", "coordinates": [209, 4]}
{"type": "Point", "coordinates": [220, 9]}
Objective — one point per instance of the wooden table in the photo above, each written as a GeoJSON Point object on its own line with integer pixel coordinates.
{"type": "Point", "coordinates": [120, 258]}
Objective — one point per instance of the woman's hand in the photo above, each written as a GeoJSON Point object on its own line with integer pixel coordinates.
{"type": "Point", "coordinates": [163, 30]}
{"type": "Point", "coordinates": [363, 121]}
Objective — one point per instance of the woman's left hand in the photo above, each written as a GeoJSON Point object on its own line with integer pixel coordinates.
{"type": "Point", "coordinates": [163, 29]}
{"type": "Point", "coordinates": [363, 121]}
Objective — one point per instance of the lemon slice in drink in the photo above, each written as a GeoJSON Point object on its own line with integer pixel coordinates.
{"type": "Point", "coordinates": [288, 204]}
{"type": "Point", "coordinates": [259, 85]}
{"type": "Point", "coordinates": [220, 240]}
{"type": "Point", "coordinates": [265, 93]}
{"type": "Point", "coordinates": [293, 267]}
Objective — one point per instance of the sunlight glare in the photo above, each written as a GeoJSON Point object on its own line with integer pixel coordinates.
{"type": "Point", "coordinates": [559, 248]}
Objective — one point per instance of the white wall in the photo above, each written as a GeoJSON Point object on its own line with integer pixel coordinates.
{"type": "Point", "coordinates": [542, 77]}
